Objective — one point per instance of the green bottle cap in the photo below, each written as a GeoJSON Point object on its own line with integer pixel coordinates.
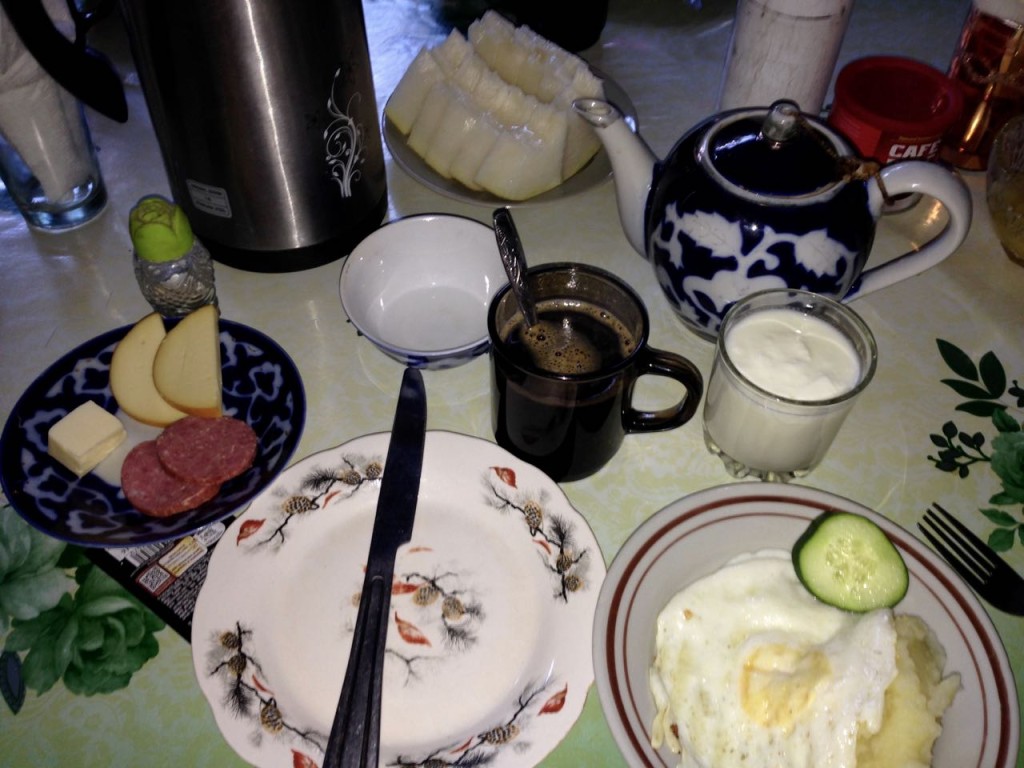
{"type": "Point", "coordinates": [159, 229]}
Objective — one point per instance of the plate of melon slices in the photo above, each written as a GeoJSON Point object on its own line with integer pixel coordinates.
{"type": "Point", "coordinates": [487, 118]}
{"type": "Point", "coordinates": [261, 387]}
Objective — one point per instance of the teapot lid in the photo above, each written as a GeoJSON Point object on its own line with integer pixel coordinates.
{"type": "Point", "coordinates": [775, 155]}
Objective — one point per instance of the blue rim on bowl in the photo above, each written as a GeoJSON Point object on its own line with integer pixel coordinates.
{"type": "Point", "coordinates": [418, 288]}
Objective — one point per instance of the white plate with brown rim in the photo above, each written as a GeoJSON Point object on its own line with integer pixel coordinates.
{"type": "Point", "coordinates": [699, 533]}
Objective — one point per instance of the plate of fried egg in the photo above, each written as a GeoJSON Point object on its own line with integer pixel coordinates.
{"type": "Point", "coordinates": [709, 651]}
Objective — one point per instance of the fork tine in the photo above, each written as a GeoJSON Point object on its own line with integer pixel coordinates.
{"type": "Point", "coordinates": [981, 563]}
{"type": "Point", "coordinates": [977, 563]}
{"type": "Point", "coordinates": [981, 546]}
{"type": "Point", "coordinates": [965, 573]}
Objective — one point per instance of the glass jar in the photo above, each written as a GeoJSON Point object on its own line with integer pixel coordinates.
{"type": "Point", "coordinates": [1004, 188]}
{"type": "Point", "coordinates": [177, 287]}
{"type": "Point", "coordinates": [988, 67]}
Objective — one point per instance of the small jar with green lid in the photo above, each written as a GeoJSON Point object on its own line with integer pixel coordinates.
{"type": "Point", "coordinates": [173, 268]}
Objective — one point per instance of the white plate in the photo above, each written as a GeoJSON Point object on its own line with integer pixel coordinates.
{"type": "Point", "coordinates": [699, 533]}
{"type": "Point", "coordinates": [489, 648]}
{"type": "Point", "coordinates": [596, 172]}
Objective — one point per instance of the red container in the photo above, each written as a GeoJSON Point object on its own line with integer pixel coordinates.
{"type": "Point", "coordinates": [893, 108]}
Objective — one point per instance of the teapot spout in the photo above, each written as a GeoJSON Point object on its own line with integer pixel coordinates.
{"type": "Point", "coordinates": [632, 165]}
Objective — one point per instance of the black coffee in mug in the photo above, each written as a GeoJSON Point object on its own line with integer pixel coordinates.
{"type": "Point", "coordinates": [571, 337]}
{"type": "Point", "coordinates": [562, 388]}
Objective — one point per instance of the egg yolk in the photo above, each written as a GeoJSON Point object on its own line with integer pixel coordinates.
{"type": "Point", "coordinates": [778, 683]}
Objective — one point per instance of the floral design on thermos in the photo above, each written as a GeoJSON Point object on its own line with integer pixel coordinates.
{"type": "Point", "coordinates": [343, 142]}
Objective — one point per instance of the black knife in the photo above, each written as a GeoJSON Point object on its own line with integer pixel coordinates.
{"type": "Point", "coordinates": [355, 734]}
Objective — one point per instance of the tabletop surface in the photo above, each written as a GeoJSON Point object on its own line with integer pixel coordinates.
{"type": "Point", "coordinates": [62, 290]}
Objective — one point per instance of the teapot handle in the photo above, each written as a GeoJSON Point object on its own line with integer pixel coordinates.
{"type": "Point", "coordinates": [918, 176]}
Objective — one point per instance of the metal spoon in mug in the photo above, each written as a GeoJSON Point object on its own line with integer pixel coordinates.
{"type": "Point", "coordinates": [543, 340]}
{"type": "Point", "coordinates": [512, 257]}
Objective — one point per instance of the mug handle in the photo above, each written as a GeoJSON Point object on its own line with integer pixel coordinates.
{"type": "Point", "coordinates": [918, 176]}
{"type": "Point", "coordinates": [672, 366]}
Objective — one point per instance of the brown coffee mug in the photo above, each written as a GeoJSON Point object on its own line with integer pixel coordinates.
{"type": "Point", "coordinates": [561, 390]}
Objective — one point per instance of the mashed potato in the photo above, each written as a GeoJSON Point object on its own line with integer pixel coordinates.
{"type": "Point", "coordinates": [752, 670]}
{"type": "Point", "coordinates": [914, 701]}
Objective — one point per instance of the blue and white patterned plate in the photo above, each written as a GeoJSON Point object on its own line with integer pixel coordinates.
{"type": "Point", "coordinates": [261, 386]}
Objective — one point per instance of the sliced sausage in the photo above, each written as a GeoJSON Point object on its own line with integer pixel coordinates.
{"type": "Point", "coordinates": [207, 451]}
{"type": "Point", "coordinates": [153, 491]}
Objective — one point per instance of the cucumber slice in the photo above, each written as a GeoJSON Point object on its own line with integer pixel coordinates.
{"type": "Point", "coordinates": [847, 561]}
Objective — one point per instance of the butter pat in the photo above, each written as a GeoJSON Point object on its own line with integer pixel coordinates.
{"type": "Point", "coordinates": [85, 437]}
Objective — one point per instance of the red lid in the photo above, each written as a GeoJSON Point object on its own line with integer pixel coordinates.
{"type": "Point", "coordinates": [898, 95]}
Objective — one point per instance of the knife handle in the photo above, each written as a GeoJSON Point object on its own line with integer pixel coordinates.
{"type": "Point", "coordinates": [355, 734]}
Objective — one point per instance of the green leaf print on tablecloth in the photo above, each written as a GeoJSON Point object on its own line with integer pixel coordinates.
{"type": "Point", "coordinates": [984, 385]}
{"type": "Point", "coordinates": [30, 579]}
{"type": "Point", "coordinates": [67, 620]}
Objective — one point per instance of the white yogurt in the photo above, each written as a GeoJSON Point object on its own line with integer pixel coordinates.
{"type": "Point", "coordinates": [791, 355]}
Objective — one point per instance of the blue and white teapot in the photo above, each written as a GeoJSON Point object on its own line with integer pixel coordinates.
{"type": "Point", "coordinates": [761, 198]}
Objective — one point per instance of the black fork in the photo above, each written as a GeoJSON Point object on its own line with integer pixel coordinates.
{"type": "Point", "coordinates": [976, 562]}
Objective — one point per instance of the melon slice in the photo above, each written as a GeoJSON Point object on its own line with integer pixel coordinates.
{"type": "Point", "coordinates": [477, 142]}
{"type": "Point", "coordinates": [452, 51]}
{"type": "Point", "coordinates": [186, 370]}
{"type": "Point", "coordinates": [493, 38]}
{"type": "Point", "coordinates": [131, 374]}
{"type": "Point", "coordinates": [543, 79]}
{"type": "Point", "coordinates": [469, 72]}
{"type": "Point", "coordinates": [458, 122]}
{"type": "Point", "coordinates": [526, 160]}
{"type": "Point", "coordinates": [429, 118]}
{"type": "Point", "coordinates": [407, 100]}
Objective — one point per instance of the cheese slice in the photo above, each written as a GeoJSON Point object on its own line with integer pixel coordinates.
{"type": "Point", "coordinates": [131, 374]}
{"type": "Point", "coordinates": [85, 437]}
{"type": "Point", "coordinates": [186, 370]}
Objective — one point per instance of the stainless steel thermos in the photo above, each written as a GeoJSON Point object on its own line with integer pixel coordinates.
{"type": "Point", "coordinates": [267, 121]}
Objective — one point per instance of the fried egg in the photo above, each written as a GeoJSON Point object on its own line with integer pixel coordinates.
{"type": "Point", "coordinates": [752, 670]}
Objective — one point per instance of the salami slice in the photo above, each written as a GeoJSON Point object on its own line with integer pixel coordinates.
{"type": "Point", "coordinates": [153, 491]}
{"type": "Point", "coordinates": [207, 451]}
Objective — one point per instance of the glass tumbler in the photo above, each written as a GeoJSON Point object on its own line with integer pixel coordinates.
{"type": "Point", "coordinates": [1004, 191]}
{"type": "Point", "coordinates": [47, 160]}
{"type": "Point", "coordinates": [176, 288]}
{"type": "Point", "coordinates": [788, 368]}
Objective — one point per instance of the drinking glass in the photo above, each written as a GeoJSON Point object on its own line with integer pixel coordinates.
{"type": "Point", "coordinates": [775, 399]}
{"type": "Point", "coordinates": [1005, 188]}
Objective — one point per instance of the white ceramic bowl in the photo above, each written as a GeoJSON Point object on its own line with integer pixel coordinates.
{"type": "Point", "coordinates": [419, 288]}
{"type": "Point", "coordinates": [699, 533]}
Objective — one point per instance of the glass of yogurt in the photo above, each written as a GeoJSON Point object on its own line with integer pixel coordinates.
{"type": "Point", "coordinates": [788, 367]}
